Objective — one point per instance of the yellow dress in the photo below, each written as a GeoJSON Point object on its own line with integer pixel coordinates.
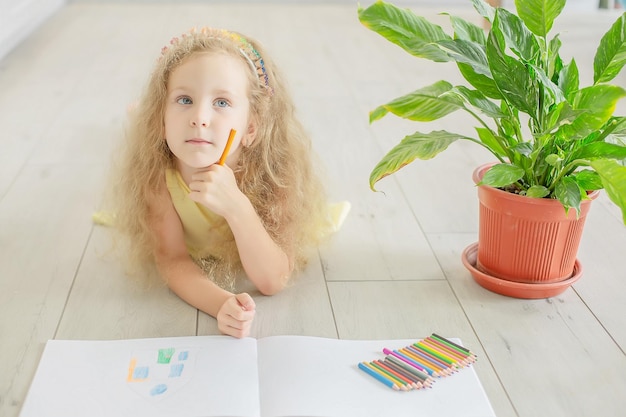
{"type": "Point", "coordinates": [205, 232]}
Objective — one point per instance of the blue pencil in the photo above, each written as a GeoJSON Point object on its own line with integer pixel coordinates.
{"type": "Point", "coordinates": [378, 376]}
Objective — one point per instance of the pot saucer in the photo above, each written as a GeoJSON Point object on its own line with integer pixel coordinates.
{"type": "Point", "coordinates": [512, 288]}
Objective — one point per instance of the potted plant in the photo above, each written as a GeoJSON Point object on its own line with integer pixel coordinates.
{"type": "Point", "coordinates": [555, 142]}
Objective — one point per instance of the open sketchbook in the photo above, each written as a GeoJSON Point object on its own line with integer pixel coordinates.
{"type": "Point", "coordinates": [276, 376]}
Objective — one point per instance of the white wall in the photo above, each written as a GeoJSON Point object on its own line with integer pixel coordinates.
{"type": "Point", "coordinates": [19, 18]}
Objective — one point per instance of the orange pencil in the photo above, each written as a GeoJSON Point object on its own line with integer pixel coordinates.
{"type": "Point", "coordinates": [233, 132]}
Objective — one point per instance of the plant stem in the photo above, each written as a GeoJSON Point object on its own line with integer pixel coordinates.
{"type": "Point", "coordinates": [567, 170]}
{"type": "Point", "coordinates": [486, 126]}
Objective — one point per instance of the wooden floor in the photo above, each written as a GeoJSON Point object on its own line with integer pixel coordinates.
{"type": "Point", "coordinates": [393, 271]}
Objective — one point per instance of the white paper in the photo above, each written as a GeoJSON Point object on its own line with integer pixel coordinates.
{"type": "Point", "coordinates": [90, 378]}
{"type": "Point", "coordinates": [280, 376]}
{"type": "Point", "coordinates": [308, 376]}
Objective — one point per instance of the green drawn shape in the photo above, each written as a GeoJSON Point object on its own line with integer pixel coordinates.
{"type": "Point", "coordinates": [165, 355]}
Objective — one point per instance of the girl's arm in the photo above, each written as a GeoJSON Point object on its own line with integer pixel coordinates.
{"type": "Point", "coordinates": [265, 263]}
{"type": "Point", "coordinates": [234, 313]}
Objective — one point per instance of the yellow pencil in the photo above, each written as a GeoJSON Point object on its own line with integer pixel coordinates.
{"type": "Point", "coordinates": [233, 132]}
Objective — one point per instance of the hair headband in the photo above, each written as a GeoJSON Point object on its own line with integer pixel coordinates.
{"type": "Point", "coordinates": [246, 49]}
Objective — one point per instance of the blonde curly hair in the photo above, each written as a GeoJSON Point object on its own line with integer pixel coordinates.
{"type": "Point", "coordinates": [278, 172]}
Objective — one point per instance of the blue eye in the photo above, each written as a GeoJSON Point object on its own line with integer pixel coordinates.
{"type": "Point", "coordinates": [184, 100]}
{"type": "Point", "coordinates": [221, 103]}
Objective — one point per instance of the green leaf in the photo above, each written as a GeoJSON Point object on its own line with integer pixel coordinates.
{"type": "Point", "coordinates": [413, 33]}
{"type": "Point", "coordinates": [478, 100]}
{"type": "Point", "coordinates": [539, 15]}
{"type": "Point", "coordinates": [600, 150]}
{"type": "Point", "coordinates": [511, 76]}
{"type": "Point", "coordinates": [553, 159]}
{"type": "Point", "coordinates": [418, 145]}
{"type": "Point", "coordinates": [621, 125]}
{"type": "Point", "coordinates": [423, 105]}
{"type": "Point", "coordinates": [613, 177]}
{"type": "Point", "coordinates": [555, 63]}
{"type": "Point", "coordinates": [599, 101]}
{"type": "Point", "coordinates": [537, 191]}
{"type": "Point", "coordinates": [588, 180]}
{"type": "Point", "coordinates": [550, 88]}
{"type": "Point", "coordinates": [378, 113]}
{"type": "Point", "coordinates": [484, 9]}
{"type": "Point", "coordinates": [467, 31]}
{"type": "Point", "coordinates": [467, 52]}
{"type": "Point", "coordinates": [481, 82]}
{"type": "Point", "coordinates": [569, 194]}
{"type": "Point", "coordinates": [611, 54]}
{"type": "Point", "coordinates": [517, 36]}
{"type": "Point", "coordinates": [560, 115]}
{"type": "Point", "coordinates": [523, 148]}
{"type": "Point", "coordinates": [501, 175]}
{"type": "Point", "coordinates": [569, 79]}
{"type": "Point", "coordinates": [486, 136]}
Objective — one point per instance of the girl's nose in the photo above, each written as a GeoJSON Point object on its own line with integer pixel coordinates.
{"type": "Point", "coordinates": [199, 121]}
{"type": "Point", "coordinates": [199, 118]}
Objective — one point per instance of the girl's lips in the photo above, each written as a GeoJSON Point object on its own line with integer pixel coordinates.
{"type": "Point", "coordinates": [198, 141]}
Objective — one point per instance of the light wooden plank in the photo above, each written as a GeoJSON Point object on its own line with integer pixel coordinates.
{"type": "Point", "coordinates": [553, 351]}
{"type": "Point", "coordinates": [603, 284]}
{"type": "Point", "coordinates": [303, 308]}
{"type": "Point", "coordinates": [45, 223]}
{"type": "Point", "coordinates": [106, 303]}
{"type": "Point", "coordinates": [341, 135]}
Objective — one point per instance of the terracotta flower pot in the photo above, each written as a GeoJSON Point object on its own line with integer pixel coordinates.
{"type": "Point", "coordinates": [529, 240]}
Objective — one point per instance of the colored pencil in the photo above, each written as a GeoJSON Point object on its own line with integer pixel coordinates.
{"type": "Point", "coordinates": [460, 359]}
{"type": "Point", "coordinates": [439, 365]}
{"type": "Point", "coordinates": [428, 356]}
{"type": "Point", "coordinates": [402, 384]}
{"type": "Point", "coordinates": [436, 344]}
{"type": "Point", "coordinates": [423, 376]}
{"type": "Point", "coordinates": [409, 368]}
{"type": "Point", "coordinates": [417, 382]}
{"type": "Point", "coordinates": [378, 376]}
{"type": "Point", "coordinates": [417, 365]}
{"type": "Point", "coordinates": [231, 136]}
{"type": "Point", "coordinates": [405, 359]}
{"type": "Point", "coordinates": [452, 344]}
{"type": "Point", "coordinates": [431, 368]}
{"type": "Point", "coordinates": [396, 374]}
{"type": "Point", "coordinates": [439, 355]}
{"type": "Point", "coordinates": [410, 361]}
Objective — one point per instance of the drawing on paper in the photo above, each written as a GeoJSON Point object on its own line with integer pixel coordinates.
{"type": "Point", "coordinates": [156, 373]}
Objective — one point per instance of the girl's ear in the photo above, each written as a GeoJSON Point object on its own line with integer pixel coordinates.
{"type": "Point", "coordinates": [250, 135]}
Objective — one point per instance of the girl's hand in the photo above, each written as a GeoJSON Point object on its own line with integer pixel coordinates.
{"type": "Point", "coordinates": [235, 316]}
{"type": "Point", "coordinates": [216, 189]}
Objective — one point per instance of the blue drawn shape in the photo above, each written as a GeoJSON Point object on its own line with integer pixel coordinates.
{"type": "Point", "coordinates": [183, 356]}
{"type": "Point", "coordinates": [141, 372]}
{"type": "Point", "coordinates": [176, 370]}
{"type": "Point", "coordinates": [158, 390]}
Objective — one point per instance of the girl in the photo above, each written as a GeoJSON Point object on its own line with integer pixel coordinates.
{"type": "Point", "coordinates": [193, 217]}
